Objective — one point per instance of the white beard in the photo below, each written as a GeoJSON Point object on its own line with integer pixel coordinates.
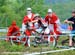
{"type": "Point", "coordinates": [29, 15]}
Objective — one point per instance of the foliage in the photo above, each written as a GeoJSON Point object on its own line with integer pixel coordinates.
{"type": "Point", "coordinates": [16, 9]}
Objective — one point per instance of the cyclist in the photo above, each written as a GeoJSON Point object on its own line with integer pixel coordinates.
{"type": "Point", "coordinates": [53, 23]}
{"type": "Point", "coordinates": [27, 20]}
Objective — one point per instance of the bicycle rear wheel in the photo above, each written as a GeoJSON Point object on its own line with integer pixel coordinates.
{"type": "Point", "coordinates": [18, 39]}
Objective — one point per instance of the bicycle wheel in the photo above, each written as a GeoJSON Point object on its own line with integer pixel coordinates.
{"type": "Point", "coordinates": [18, 39]}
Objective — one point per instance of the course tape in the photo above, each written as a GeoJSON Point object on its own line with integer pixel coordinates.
{"type": "Point", "coordinates": [53, 51]}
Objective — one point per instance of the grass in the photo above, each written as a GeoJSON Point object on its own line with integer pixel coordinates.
{"type": "Point", "coordinates": [7, 47]}
{"type": "Point", "coordinates": [64, 53]}
{"type": "Point", "coordinates": [62, 10]}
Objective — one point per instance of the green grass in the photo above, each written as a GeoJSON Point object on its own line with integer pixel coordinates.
{"type": "Point", "coordinates": [7, 47]}
{"type": "Point", "coordinates": [72, 52]}
{"type": "Point", "coordinates": [16, 11]}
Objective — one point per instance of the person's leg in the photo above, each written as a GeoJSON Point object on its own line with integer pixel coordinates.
{"type": "Point", "coordinates": [48, 30]}
{"type": "Point", "coordinates": [70, 41]}
{"type": "Point", "coordinates": [27, 39]}
{"type": "Point", "coordinates": [51, 31]}
{"type": "Point", "coordinates": [28, 42]}
{"type": "Point", "coordinates": [71, 38]}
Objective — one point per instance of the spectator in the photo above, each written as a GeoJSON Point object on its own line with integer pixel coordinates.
{"type": "Point", "coordinates": [71, 21]}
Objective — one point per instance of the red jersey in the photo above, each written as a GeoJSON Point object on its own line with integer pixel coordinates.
{"type": "Point", "coordinates": [51, 19]}
{"type": "Point", "coordinates": [27, 19]}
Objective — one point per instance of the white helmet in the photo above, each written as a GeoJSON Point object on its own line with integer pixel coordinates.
{"type": "Point", "coordinates": [29, 9]}
{"type": "Point", "coordinates": [36, 15]}
{"type": "Point", "coordinates": [50, 10]}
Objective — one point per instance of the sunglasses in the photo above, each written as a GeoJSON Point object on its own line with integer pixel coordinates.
{"type": "Point", "coordinates": [28, 10]}
{"type": "Point", "coordinates": [49, 12]}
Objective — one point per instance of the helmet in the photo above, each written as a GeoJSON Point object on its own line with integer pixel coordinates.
{"type": "Point", "coordinates": [29, 9]}
{"type": "Point", "coordinates": [36, 15]}
{"type": "Point", "coordinates": [50, 10]}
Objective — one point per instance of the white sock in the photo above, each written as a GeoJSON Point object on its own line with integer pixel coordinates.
{"type": "Point", "coordinates": [29, 42]}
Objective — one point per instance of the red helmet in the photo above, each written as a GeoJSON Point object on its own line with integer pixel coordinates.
{"type": "Point", "coordinates": [13, 22]}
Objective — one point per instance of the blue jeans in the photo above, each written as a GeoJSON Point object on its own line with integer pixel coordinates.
{"type": "Point", "coordinates": [72, 33]}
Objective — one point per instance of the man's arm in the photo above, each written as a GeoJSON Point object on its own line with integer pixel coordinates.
{"type": "Point", "coordinates": [34, 21]}
{"type": "Point", "coordinates": [69, 22]}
